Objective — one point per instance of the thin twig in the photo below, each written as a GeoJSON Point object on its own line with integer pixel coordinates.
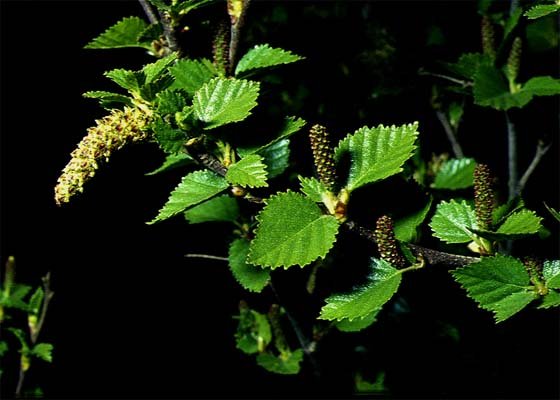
{"type": "Point", "coordinates": [539, 154]}
{"type": "Point", "coordinates": [451, 134]}
{"type": "Point", "coordinates": [446, 77]}
{"type": "Point", "coordinates": [149, 11]}
{"type": "Point", "coordinates": [512, 157]}
{"type": "Point", "coordinates": [236, 25]}
{"type": "Point", "coordinates": [206, 256]}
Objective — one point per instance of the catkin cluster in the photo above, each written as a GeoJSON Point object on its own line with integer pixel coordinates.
{"type": "Point", "coordinates": [110, 133]}
{"type": "Point", "coordinates": [323, 155]}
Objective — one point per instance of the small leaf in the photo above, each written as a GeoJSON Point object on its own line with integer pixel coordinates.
{"type": "Point", "coordinates": [36, 301]}
{"type": "Point", "coordinates": [455, 174]}
{"type": "Point", "coordinates": [253, 331]}
{"type": "Point", "coordinates": [195, 188]}
{"type": "Point", "coordinates": [454, 221]}
{"type": "Point", "coordinates": [551, 299]}
{"type": "Point", "coordinates": [290, 126]}
{"type": "Point", "coordinates": [542, 86]}
{"type": "Point", "coordinates": [276, 157]}
{"type": "Point", "coordinates": [156, 70]}
{"type": "Point", "coordinates": [250, 277]}
{"type": "Point", "coordinates": [376, 153]}
{"type": "Point", "coordinates": [20, 335]}
{"type": "Point", "coordinates": [169, 139]}
{"type": "Point", "coordinates": [382, 284]}
{"type": "Point", "coordinates": [406, 228]}
{"type": "Point", "coordinates": [43, 351]}
{"type": "Point", "coordinates": [553, 212]}
{"type": "Point", "coordinates": [190, 75]}
{"type": "Point", "coordinates": [551, 274]}
{"type": "Point", "coordinates": [313, 188]}
{"type": "Point", "coordinates": [170, 101]}
{"type": "Point", "coordinates": [541, 10]}
{"type": "Point", "coordinates": [359, 323]}
{"type": "Point", "coordinates": [285, 364]}
{"type": "Point", "coordinates": [249, 171]}
{"type": "Point", "coordinates": [129, 80]}
{"type": "Point", "coordinates": [502, 212]}
{"type": "Point", "coordinates": [499, 284]}
{"type": "Point", "coordinates": [468, 63]}
{"type": "Point", "coordinates": [15, 298]}
{"type": "Point", "coordinates": [222, 101]}
{"type": "Point", "coordinates": [262, 56]}
{"type": "Point", "coordinates": [3, 348]}
{"type": "Point", "coordinates": [108, 99]}
{"type": "Point", "coordinates": [292, 231]}
{"type": "Point", "coordinates": [512, 22]}
{"type": "Point", "coordinates": [124, 33]}
{"type": "Point", "coordinates": [171, 162]}
{"type": "Point", "coordinates": [524, 222]}
{"type": "Point", "coordinates": [219, 209]}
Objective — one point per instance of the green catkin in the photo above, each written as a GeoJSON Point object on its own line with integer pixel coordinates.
{"type": "Point", "coordinates": [487, 33]}
{"type": "Point", "coordinates": [279, 338]}
{"type": "Point", "coordinates": [220, 49]}
{"type": "Point", "coordinates": [534, 269]}
{"type": "Point", "coordinates": [387, 243]}
{"type": "Point", "coordinates": [323, 155]}
{"type": "Point", "coordinates": [483, 196]}
{"type": "Point", "coordinates": [110, 134]}
{"type": "Point", "coordinates": [514, 59]}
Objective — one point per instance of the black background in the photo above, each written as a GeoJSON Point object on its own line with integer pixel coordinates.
{"type": "Point", "coordinates": [133, 318]}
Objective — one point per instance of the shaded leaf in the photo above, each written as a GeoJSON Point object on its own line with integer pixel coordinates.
{"type": "Point", "coordinates": [170, 101]}
{"type": "Point", "coordinates": [551, 299]}
{"type": "Point", "coordinates": [219, 209]}
{"type": "Point", "coordinates": [253, 331]}
{"type": "Point", "coordinates": [285, 364]}
{"type": "Point", "coordinates": [249, 276]}
{"type": "Point", "coordinates": [108, 99]}
{"type": "Point", "coordinates": [553, 212]}
{"type": "Point", "coordinates": [406, 228]}
{"type": "Point", "coordinates": [276, 157]}
{"type": "Point", "coordinates": [173, 161]}
{"type": "Point", "coordinates": [455, 174]}
{"type": "Point", "coordinates": [171, 140]}
{"type": "Point", "coordinates": [190, 75]}
{"type": "Point", "coordinates": [358, 324]}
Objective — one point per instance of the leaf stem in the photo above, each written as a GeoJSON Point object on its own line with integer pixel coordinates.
{"type": "Point", "coordinates": [451, 134]}
{"type": "Point", "coordinates": [512, 157]}
{"type": "Point", "coordinates": [206, 256]}
{"type": "Point", "coordinates": [149, 11]}
{"type": "Point", "coordinates": [542, 149]}
{"type": "Point", "coordinates": [461, 82]}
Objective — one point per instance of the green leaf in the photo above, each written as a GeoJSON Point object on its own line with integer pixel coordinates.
{"type": "Point", "coordinates": [468, 63]}
{"type": "Point", "coordinates": [170, 140]}
{"type": "Point", "coordinates": [551, 299]}
{"type": "Point", "coordinates": [551, 274]}
{"type": "Point", "coordinates": [43, 351]}
{"type": "Point", "coordinates": [501, 213]}
{"type": "Point", "coordinates": [195, 188]}
{"type": "Point", "coordinates": [455, 174]}
{"type": "Point", "coordinates": [150, 90]}
{"type": "Point", "coordinates": [406, 228]}
{"type": "Point", "coordinates": [542, 35]}
{"type": "Point", "coordinates": [276, 157]}
{"type": "Point", "coordinates": [250, 277]}
{"type": "Point", "coordinates": [108, 99]}
{"type": "Point", "coordinates": [15, 298]}
{"type": "Point", "coordinates": [129, 80]}
{"type": "Point", "coordinates": [359, 323]}
{"type": "Point", "coordinates": [290, 126]}
{"type": "Point", "coordinates": [219, 209]}
{"type": "Point", "coordinates": [124, 33]}
{"type": "Point", "coordinates": [170, 101]}
{"type": "Point", "coordinates": [376, 153]}
{"type": "Point", "coordinates": [156, 70]}
{"type": "Point", "coordinates": [454, 221]}
{"type": "Point", "coordinates": [173, 161]}
{"type": "Point", "coordinates": [313, 188]}
{"type": "Point", "coordinates": [262, 56]}
{"type": "Point", "coordinates": [499, 284]}
{"type": "Point", "coordinates": [285, 364]}
{"type": "Point", "coordinates": [36, 301]}
{"type": "Point", "coordinates": [542, 86]}
{"type": "Point", "coordinates": [249, 171]}
{"type": "Point", "coordinates": [3, 348]}
{"type": "Point", "coordinates": [553, 212]}
{"type": "Point", "coordinates": [292, 231]}
{"type": "Point", "coordinates": [541, 10]}
{"type": "Point", "coordinates": [225, 100]}
{"type": "Point", "coordinates": [512, 22]}
{"type": "Point", "coordinates": [190, 75]}
{"type": "Point", "coordinates": [253, 331]}
{"type": "Point", "coordinates": [524, 222]}
{"type": "Point", "coordinates": [21, 337]}
{"type": "Point", "coordinates": [382, 284]}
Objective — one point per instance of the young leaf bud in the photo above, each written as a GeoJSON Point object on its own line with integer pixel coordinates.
{"type": "Point", "coordinates": [110, 134]}
{"type": "Point", "coordinates": [483, 195]}
{"type": "Point", "coordinates": [487, 33]}
{"type": "Point", "coordinates": [387, 243]}
{"type": "Point", "coordinates": [323, 155]}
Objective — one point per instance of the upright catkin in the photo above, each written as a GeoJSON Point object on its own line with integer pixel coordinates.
{"type": "Point", "coordinates": [323, 155]}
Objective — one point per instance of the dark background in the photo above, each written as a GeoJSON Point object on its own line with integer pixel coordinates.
{"type": "Point", "coordinates": [133, 318]}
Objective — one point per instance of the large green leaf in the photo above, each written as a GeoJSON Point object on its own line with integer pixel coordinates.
{"type": "Point", "coordinates": [499, 284]}
{"type": "Point", "coordinates": [195, 188]}
{"type": "Point", "coordinates": [124, 33]}
{"type": "Point", "coordinates": [253, 331]}
{"type": "Point", "coordinates": [524, 222]}
{"type": "Point", "coordinates": [190, 75]}
{"type": "Point", "coordinates": [358, 324]}
{"type": "Point", "coordinates": [551, 274]}
{"type": "Point", "coordinates": [382, 284]}
{"type": "Point", "coordinates": [376, 153]}
{"type": "Point", "coordinates": [219, 209]}
{"type": "Point", "coordinates": [249, 171]}
{"type": "Point", "coordinates": [285, 364]}
{"type": "Point", "coordinates": [250, 277]}
{"type": "Point", "coordinates": [225, 100]}
{"type": "Point", "coordinates": [406, 228]}
{"type": "Point", "coordinates": [292, 231]}
{"type": "Point", "coordinates": [454, 221]}
{"type": "Point", "coordinates": [541, 10]}
{"type": "Point", "coordinates": [262, 56]}
{"type": "Point", "coordinates": [455, 174]}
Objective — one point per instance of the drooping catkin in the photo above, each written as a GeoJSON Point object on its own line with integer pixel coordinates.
{"type": "Point", "coordinates": [110, 134]}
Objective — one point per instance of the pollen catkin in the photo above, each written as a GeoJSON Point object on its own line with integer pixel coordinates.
{"type": "Point", "coordinates": [110, 133]}
{"type": "Point", "coordinates": [514, 59]}
{"type": "Point", "coordinates": [387, 243]}
{"type": "Point", "coordinates": [220, 49]}
{"type": "Point", "coordinates": [483, 195]}
{"type": "Point", "coordinates": [323, 155]}
{"type": "Point", "coordinates": [487, 33]}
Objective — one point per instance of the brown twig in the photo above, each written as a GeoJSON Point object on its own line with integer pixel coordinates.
{"type": "Point", "coordinates": [237, 22]}
{"type": "Point", "coordinates": [149, 11]}
{"type": "Point", "coordinates": [539, 154]}
{"type": "Point", "coordinates": [451, 134]}
{"type": "Point", "coordinates": [169, 32]}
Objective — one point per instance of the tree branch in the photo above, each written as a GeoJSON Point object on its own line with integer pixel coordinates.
{"type": "Point", "coordinates": [237, 22]}
{"type": "Point", "coordinates": [542, 149]}
{"type": "Point", "coordinates": [149, 11]}
{"type": "Point", "coordinates": [446, 77]}
{"type": "Point", "coordinates": [451, 134]}
{"type": "Point", "coordinates": [169, 32]}
{"type": "Point", "coordinates": [512, 157]}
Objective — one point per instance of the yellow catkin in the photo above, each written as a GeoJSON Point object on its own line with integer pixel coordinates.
{"type": "Point", "coordinates": [110, 134]}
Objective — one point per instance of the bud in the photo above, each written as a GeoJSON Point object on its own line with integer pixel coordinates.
{"type": "Point", "coordinates": [110, 134]}
{"type": "Point", "coordinates": [487, 33]}
{"type": "Point", "coordinates": [387, 243]}
{"type": "Point", "coordinates": [514, 60]}
{"type": "Point", "coordinates": [323, 155]}
{"type": "Point", "coordinates": [483, 196]}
